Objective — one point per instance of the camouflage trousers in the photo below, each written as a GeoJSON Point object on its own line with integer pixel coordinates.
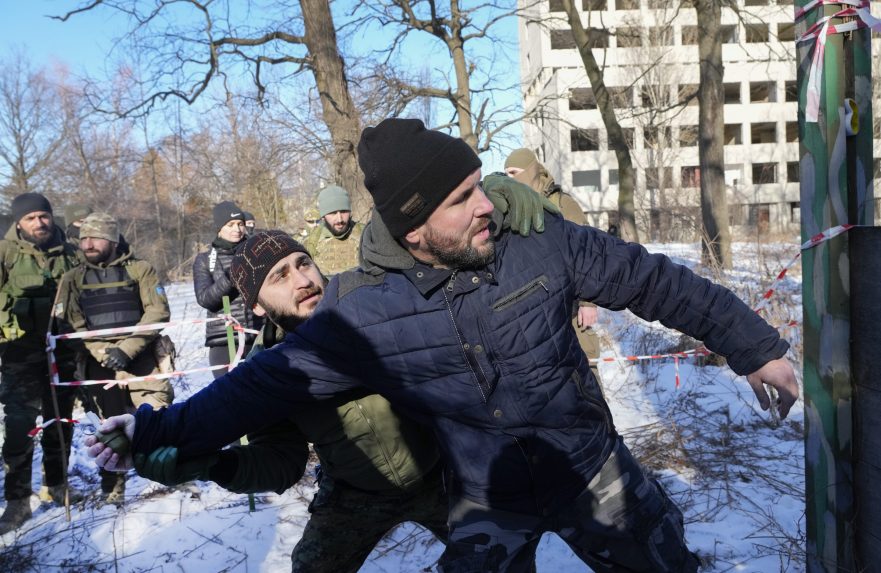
{"type": "Point", "coordinates": [347, 523]}
{"type": "Point", "coordinates": [118, 400]}
{"type": "Point", "coordinates": [126, 399]}
{"type": "Point", "coordinates": [623, 522]}
{"type": "Point", "coordinates": [25, 394]}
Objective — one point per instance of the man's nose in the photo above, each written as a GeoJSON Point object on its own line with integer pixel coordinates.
{"type": "Point", "coordinates": [484, 206]}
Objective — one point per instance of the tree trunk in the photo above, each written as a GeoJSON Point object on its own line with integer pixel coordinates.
{"type": "Point", "coordinates": [715, 236]}
{"type": "Point", "coordinates": [338, 109]}
{"type": "Point", "coordinates": [463, 78]}
{"type": "Point", "coordinates": [626, 177]}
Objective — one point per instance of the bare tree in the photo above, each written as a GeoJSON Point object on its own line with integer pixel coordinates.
{"type": "Point", "coordinates": [617, 140]}
{"type": "Point", "coordinates": [473, 80]}
{"type": "Point", "coordinates": [31, 126]}
{"type": "Point", "coordinates": [187, 52]}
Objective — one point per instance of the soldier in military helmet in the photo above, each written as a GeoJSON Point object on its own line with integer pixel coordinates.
{"type": "Point", "coordinates": [112, 289]}
{"type": "Point", "coordinates": [334, 241]}
{"type": "Point", "coordinates": [33, 258]}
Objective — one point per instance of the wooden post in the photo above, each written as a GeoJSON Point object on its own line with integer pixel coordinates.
{"type": "Point", "coordinates": [836, 176]}
{"type": "Point", "coordinates": [231, 344]}
{"type": "Point", "coordinates": [52, 391]}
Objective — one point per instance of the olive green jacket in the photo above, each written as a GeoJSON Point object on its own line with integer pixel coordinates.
{"type": "Point", "coordinates": [361, 443]}
{"type": "Point", "coordinates": [153, 300]}
{"type": "Point", "coordinates": [334, 254]}
{"type": "Point", "coordinates": [29, 278]}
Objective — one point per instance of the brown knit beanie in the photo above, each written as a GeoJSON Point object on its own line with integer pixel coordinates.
{"type": "Point", "coordinates": [256, 257]}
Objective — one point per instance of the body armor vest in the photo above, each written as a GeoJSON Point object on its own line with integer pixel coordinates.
{"type": "Point", "coordinates": [31, 288]}
{"type": "Point", "coordinates": [110, 298]}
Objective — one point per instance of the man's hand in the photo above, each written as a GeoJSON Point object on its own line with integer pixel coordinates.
{"type": "Point", "coordinates": [586, 317]}
{"type": "Point", "coordinates": [779, 375]}
{"type": "Point", "coordinates": [105, 457]}
{"type": "Point", "coordinates": [523, 208]}
{"type": "Point", "coordinates": [162, 466]}
{"type": "Point", "coordinates": [115, 359]}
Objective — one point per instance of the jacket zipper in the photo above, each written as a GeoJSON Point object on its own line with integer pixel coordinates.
{"type": "Point", "coordinates": [382, 448]}
{"type": "Point", "coordinates": [449, 287]}
{"type": "Point", "coordinates": [521, 293]}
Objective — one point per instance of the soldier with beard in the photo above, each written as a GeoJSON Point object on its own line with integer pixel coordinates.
{"type": "Point", "coordinates": [334, 241]}
{"type": "Point", "coordinates": [379, 469]}
{"type": "Point", "coordinates": [115, 289]}
{"type": "Point", "coordinates": [33, 257]}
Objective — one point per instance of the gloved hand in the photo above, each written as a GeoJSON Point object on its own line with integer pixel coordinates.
{"type": "Point", "coordinates": [162, 466]}
{"type": "Point", "coordinates": [522, 206]}
{"type": "Point", "coordinates": [115, 359]}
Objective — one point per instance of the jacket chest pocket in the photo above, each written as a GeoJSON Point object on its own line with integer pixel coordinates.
{"type": "Point", "coordinates": [533, 287]}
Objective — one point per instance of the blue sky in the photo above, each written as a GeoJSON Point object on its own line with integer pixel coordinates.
{"type": "Point", "coordinates": [83, 43]}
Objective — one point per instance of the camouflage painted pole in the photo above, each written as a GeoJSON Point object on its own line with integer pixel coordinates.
{"type": "Point", "coordinates": [231, 344]}
{"type": "Point", "coordinates": [836, 176]}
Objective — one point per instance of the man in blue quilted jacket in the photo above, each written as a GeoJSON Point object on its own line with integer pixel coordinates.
{"type": "Point", "coordinates": [466, 326]}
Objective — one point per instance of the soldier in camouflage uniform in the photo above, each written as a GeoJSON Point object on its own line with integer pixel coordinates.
{"type": "Point", "coordinates": [524, 167]}
{"type": "Point", "coordinates": [334, 241]}
{"type": "Point", "coordinates": [33, 257]}
{"type": "Point", "coordinates": [110, 290]}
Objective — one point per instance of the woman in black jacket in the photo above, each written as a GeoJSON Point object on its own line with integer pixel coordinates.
{"type": "Point", "coordinates": [211, 282]}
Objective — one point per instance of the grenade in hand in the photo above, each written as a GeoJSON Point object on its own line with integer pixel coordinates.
{"type": "Point", "coordinates": [116, 439]}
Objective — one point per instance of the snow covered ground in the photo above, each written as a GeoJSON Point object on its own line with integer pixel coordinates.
{"type": "Point", "coordinates": [738, 479]}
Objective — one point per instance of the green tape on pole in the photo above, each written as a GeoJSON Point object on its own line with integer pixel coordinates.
{"type": "Point", "coordinates": [231, 344]}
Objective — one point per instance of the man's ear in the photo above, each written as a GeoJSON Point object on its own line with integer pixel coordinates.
{"type": "Point", "coordinates": [259, 310]}
{"type": "Point", "coordinates": [413, 237]}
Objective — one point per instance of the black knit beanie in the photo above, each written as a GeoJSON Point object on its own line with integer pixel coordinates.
{"type": "Point", "coordinates": [226, 211]}
{"type": "Point", "coordinates": [410, 170]}
{"type": "Point", "coordinates": [28, 203]}
{"type": "Point", "coordinates": [256, 257]}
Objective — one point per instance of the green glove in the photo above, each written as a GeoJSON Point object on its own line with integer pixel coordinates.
{"type": "Point", "coordinates": [162, 466]}
{"type": "Point", "coordinates": [522, 206]}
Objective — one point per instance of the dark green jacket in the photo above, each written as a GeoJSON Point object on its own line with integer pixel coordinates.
{"type": "Point", "coordinates": [361, 443]}
{"type": "Point", "coordinates": [29, 279]}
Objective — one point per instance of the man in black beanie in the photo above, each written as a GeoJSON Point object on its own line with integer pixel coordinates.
{"type": "Point", "coordinates": [467, 327]}
{"type": "Point", "coordinates": [33, 257]}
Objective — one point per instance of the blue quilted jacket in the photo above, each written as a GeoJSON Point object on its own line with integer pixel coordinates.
{"type": "Point", "coordinates": [488, 357]}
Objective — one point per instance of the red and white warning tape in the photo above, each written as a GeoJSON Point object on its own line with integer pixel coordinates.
{"type": "Point", "coordinates": [809, 244]}
{"type": "Point", "coordinates": [53, 366]}
{"type": "Point", "coordinates": [40, 427]}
